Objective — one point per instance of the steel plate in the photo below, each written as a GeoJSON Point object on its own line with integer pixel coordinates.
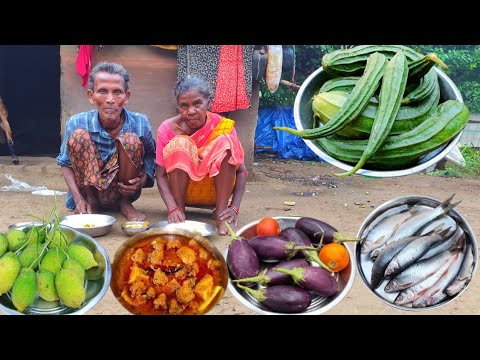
{"type": "Point", "coordinates": [203, 229]}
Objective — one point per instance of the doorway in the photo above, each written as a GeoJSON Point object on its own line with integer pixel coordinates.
{"type": "Point", "coordinates": [30, 89]}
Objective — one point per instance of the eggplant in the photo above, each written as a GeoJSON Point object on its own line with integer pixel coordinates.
{"type": "Point", "coordinates": [242, 260]}
{"type": "Point", "coordinates": [270, 247]}
{"type": "Point", "coordinates": [295, 235]}
{"type": "Point", "coordinates": [282, 298]}
{"type": "Point", "coordinates": [313, 278]}
{"type": "Point", "coordinates": [270, 277]}
{"type": "Point", "coordinates": [300, 238]}
{"type": "Point", "coordinates": [318, 230]}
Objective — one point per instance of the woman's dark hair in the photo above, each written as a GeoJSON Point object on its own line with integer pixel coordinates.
{"type": "Point", "coordinates": [192, 82]}
{"type": "Point", "coordinates": [111, 68]}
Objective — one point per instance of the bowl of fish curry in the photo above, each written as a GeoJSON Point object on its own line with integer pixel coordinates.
{"type": "Point", "coordinates": [160, 272]}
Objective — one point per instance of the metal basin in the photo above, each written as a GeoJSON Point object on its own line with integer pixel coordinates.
{"type": "Point", "coordinates": [320, 304]}
{"type": "Point", "coordinates": [303, 114]}
{"type": "Point", "coordinates": [97, 281]}
{"type": "Point", "coordinates": [365, 264]}
{"type": "Point", "coordinates": [131, 228]}
{"type": "Point", "coordinates": [119, 267]}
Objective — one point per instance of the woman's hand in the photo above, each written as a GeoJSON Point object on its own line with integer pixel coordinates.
{"type": "Point", "coordinates": [229, 215]}
{"type": "Point", "coordinates": [176, 216]}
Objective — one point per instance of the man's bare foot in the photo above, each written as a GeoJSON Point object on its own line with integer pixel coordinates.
{"type": "Point", "coordinates": [92, 201]}
{"type": "Point", "coordinates": [222, 228]}
{"type": "Point", "coordinates": [95, 207]}
{"type": "Point", "coordinates": [130, 212]}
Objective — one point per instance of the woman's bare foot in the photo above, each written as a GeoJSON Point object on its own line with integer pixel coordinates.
{"type": "Point", "coordinates": [130, 212]}
{"type": "Point", "coordinates": [222, 228]}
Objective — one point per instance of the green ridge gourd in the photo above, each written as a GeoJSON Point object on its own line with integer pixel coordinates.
{"type": "Point", "coordinates": [349, 62]}
{"type": "Point", "coordinates": [393, 86]}
{"type": "Point", "coordinates": [356, 101]}
{"type": "Point", "coordinates": [400, 150]}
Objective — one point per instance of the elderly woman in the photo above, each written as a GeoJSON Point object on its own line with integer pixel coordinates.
{"type": "Point", "coordinates": [198, 155]}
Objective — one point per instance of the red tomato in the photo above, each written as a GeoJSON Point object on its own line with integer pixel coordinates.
{"type": "Point", "coordinates": [268, 226]}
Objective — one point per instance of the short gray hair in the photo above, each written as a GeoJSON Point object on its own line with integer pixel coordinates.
{"type": "Point", "coordinates": [192, 82]}
{"type": "Point", "coordinates": [111, 68]}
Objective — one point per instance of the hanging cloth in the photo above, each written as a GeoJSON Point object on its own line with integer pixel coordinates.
{"type": "Point", "coordinates": [84, 60]}
{"type": "Point", "coordinates": [226, 68]}
{"type": "Point", "coordinates": [199, 60]}
{"type": "Point", "coordinates": [230, 93]}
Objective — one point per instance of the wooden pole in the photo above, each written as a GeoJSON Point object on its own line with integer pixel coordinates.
{"type": "Point", "coordinates": [290, 85]}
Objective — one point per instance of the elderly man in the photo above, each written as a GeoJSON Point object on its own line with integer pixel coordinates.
{"type": "Point", "coordinates": [108, 154]}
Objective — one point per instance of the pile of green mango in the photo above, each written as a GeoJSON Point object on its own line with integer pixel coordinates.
{"type": "Point", "coordinates": [45, 264]}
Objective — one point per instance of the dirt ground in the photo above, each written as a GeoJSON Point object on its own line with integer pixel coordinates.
{"type": "Point", "coordinates": [342, 202]}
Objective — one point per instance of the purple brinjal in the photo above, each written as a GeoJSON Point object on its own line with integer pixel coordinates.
{"type": "Point", "coordinates": [319, 231]}
{"type": "Point", "coordinates": [282, 298]}
{"type": "Point", "coordinates": [300, 238]}
{"type": "Point", "coordinates": [313, 278]}
{"type": "Point", "coordinates": [275, 247]}
{"type": "Point", "coordinates": [270, 277]}
{"type": "Point", "coordinates": [242, 261]}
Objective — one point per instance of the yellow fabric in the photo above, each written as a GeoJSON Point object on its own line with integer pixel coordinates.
{"type": "Point", "coordinates": [166, 47]}
{"type": "Point", "coordinates": [224, 127]}
{"type": "Point", "coordinates": [203, 192]}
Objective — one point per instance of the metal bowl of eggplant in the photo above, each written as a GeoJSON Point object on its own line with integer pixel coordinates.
{"type": "Point", "coordinates": [303, 115]}
{"type": "Point", "coordinates": [271, 299]}
{"type": "Point", "coordinates": [417, 253]}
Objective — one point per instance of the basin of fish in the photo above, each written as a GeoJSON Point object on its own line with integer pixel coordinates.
{"type": "Point", "coordinates": [417, 253]}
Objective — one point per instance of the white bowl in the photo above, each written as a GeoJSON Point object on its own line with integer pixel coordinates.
{"type": "Point", "coordinates": [91, 224]}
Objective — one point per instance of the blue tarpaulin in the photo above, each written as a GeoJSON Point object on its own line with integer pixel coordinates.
{"type": "Point", "coordinates": [281, 143]}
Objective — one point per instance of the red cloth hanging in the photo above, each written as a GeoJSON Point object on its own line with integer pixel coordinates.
{"type": "Point", "coordinates": [230, 92]}
{"type": "Point", "coordinates": [84, 60]}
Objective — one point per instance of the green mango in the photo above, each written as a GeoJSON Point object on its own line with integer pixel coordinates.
{"type": "Point", "coordinates": [70, 288]}
{"type": "Point", "coordinates": [9, 269]}
{"type": "Point", "coordinates": [46, 285]}
{"type": "Point", "coordinates": [24, 289]}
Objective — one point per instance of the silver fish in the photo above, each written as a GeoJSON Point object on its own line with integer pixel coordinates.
{"type": "Point", "coordinates": [436, 293]}
{"type": "Point", "coordinates": [416, 222]}
{"type": "Point", "coordinates": [386, 228]}
{"type": "Point", "coordinates": [465, 274]}
{"type": "Point", "coordinates": [457, 237]}
{"type": "Point", "coordinates": [444, 220]}
{"type": "Point", "coordinates": [384, 259]}
{"type": "Point", "coordinates": [390, 212]}
{"type": "Point", "coordinates": [412, 293]}
{"type": "Point", "coordinates": [413, 251]}
{"type": "Point", "coordinates": [418, 272]}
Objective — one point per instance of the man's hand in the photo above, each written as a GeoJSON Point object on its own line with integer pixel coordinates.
{"type": "Point", "coordinates": [83, 207]}
{"type": "Point", "coordinates": [135, 186]}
